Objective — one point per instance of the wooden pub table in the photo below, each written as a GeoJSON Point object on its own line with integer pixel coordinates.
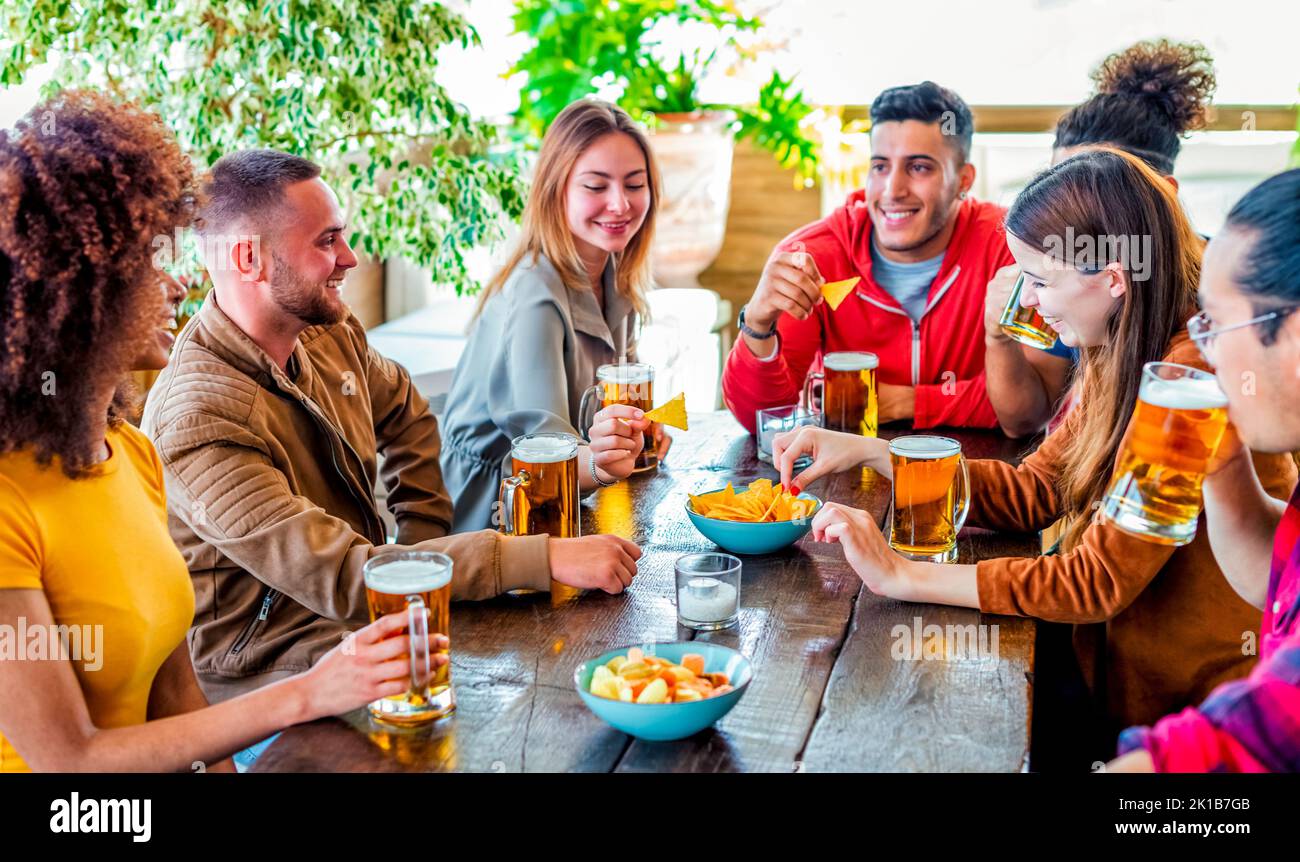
{"type": "Point", "coordinates": [843, 680]}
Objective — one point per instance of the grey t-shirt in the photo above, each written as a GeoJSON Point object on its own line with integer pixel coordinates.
{"type": "Point", "coordinates": [532, 353]}
{"type": "Point", "coordinates": [909, 283]}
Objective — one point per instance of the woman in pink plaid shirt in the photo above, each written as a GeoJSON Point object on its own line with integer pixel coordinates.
{"type": "Point", "coordinates": [1250, 332]}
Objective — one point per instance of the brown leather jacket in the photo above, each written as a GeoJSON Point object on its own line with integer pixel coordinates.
{"type": "Point", "coordinates": [1166, 627]}
{"type": "Point", "coordinates": [270, 480]}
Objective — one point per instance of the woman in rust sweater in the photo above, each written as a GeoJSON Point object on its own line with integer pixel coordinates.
{"type": "Point", "coordinates": [1172, 628]}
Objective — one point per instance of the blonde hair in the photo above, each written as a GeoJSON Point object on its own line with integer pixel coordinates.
{"type": "Point", "coordinates": [545, 223]}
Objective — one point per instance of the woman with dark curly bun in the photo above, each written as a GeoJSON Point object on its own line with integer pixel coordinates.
{"type": "Point", "coordinates": [86, 184]}
{"type": "Point", "coordinates": [1149, 96]}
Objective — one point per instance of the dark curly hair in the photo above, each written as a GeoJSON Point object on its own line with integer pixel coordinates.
{"type": "Point", "coordinates": [1148, 96]}
{"type": "Point", "coordinates": [86, 184]}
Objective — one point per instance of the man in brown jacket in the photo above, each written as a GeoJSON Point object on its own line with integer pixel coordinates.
{"type": "Point", "coordinates": [269, 419]}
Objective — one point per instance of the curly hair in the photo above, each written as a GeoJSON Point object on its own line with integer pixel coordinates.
{"type": "Point", "coordinates": [1148, 96]}
{"type": "Point", "coordinates": [86, 184]}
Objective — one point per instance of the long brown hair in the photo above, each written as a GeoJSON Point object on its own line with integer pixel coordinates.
{"type": "Point", "coordinates": [545, 223]}
{"type": "Point", "coordinates": [1106, 193]}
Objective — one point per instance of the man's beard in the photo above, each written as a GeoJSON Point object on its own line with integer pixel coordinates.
{"type": "Point", "coordinates": [933, 227]}
{"type": "Point", "coordinates": [295, 295]}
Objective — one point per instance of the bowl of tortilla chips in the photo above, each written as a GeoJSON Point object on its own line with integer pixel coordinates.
{"type": "Point", "coordinates": [758, 519]}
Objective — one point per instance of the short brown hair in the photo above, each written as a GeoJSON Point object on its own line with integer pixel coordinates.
{"type": "Point", "coordinates": [249, 184]}
{"type": "Point", "coordinates": [86, 185]}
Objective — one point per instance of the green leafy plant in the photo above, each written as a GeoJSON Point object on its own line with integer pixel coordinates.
{"type": "Point", "coordinates": [349, 85]}
{"type": "Point", "coordinates": [581, 47]}
{"type": "Point", "coordinates": [1295, 148]}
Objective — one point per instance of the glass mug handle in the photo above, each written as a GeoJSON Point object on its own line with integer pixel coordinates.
{"type": "Point", "coordinates": [963, 507]}
{"type": "Point", "coordinates": [510, 487]}
{"type": "Point", "coordinates": [417, 619]}
{"type": "Point", "coordinates": [809, 381]}
{"type": "Point", "coordinates": [587, 409]}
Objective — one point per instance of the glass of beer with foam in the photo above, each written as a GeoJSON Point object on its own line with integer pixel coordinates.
{"type": "Point", "coordinates": [631, 383]}
{"type": "Point", "coordinates": [848, 382]}
{"type": "Point", "coordinates": [1025, 324]}
{"type": "Point", "coordinates": [1180, 417]}
{"type": "Point", "coordinates": [414, 581]}
{"type": "Point", "coordinates": [541, 494]}
{"type": "Point", "coordinates": [931, 497]}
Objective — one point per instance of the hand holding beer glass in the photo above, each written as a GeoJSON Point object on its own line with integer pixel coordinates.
{"type": "Point", "coordinates": [631, 384]}
{"type": "Point", "coordinates": [931, 497]}
{"type": "Point", "coordinates": [849, 401]}
{"type": "Point", "coordinates": [1178, 423]}
{"type": "Point", "coordinates": [1023, 324]}
{"type": "Point", "coordinates": [419, 583]}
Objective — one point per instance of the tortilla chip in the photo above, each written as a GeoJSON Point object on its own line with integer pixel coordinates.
{"type": "Point", "coordinates": [672, 412]}
{"type": "Point", "coordinates": [835, 291]}
{"type": "Point", "coordinates": [760, 502]}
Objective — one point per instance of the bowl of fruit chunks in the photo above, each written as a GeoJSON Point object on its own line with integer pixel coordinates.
{"type": "Point", "coordinates": [660, 692]}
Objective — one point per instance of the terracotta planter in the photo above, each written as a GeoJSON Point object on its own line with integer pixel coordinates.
{"type": "Point", "coordinates": [694, 152]}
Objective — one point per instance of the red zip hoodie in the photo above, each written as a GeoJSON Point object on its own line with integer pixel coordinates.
{"type": "Point", "coordinates": [942, 355]}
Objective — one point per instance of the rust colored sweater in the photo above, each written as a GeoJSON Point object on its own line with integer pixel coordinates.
{"type": "Point", "coordinates": [1168, 625]}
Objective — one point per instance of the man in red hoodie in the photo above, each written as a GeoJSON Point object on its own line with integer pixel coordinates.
{"type": "Point", "coordinates": [925, 253]}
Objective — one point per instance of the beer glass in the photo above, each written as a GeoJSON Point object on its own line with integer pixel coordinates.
{"type": "Point", "coordinates": [541, 494]}
{"type": "Point", "coordinates": [776, 420]}
{"type": "Point", "coordinates": [1025, 324]}
{"type": "Point", "coordinates": [414, 581]}
{"type": "Point", "coordinates": [1180, 417]}
{"type": "Point", "coordinates": [931, 497]}
{"type": "Point", "coordinates": [625, 383]}
{"type": "Point", "coordinates": [848, 392]}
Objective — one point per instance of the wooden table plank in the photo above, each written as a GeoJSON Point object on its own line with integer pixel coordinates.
{"type": "Point", "coordinates": [905, 697]}
{"type": "Point", "coordinates": [813, 637]}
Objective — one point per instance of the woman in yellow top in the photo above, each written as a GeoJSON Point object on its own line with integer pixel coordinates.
{"type": "Point", "coordinates": [95, 600]}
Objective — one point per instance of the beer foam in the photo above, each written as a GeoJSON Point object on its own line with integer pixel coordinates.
{"type": "Point", "coordinates": [623, 374]}
{"type": "Point", "coordinates": [545, 450]}
{"type": "Point", "coordinates": [850, 361]}
{"type": "Point", "coordinates": [1184, 393]}
{"type": "Point", "coordinates": [402, 577]}
{"type": "Point", "coordinates": [924, 446]}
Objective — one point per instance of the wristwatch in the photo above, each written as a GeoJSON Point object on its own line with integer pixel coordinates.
{"type": "Point", "coordinates": [753, 333]}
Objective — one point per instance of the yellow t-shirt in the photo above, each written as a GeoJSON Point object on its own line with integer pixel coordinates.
{"type": "Point", "coordinates": [99, 548]}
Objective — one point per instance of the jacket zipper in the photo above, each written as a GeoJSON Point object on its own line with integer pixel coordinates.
{"type": "Point", "coordinates": [916, 324]}
{"type": "Point", "coordinates": [247, 633]}
{"type": "Point", "coordinates": [366, 510]}
{"type": "Point", "coordinates": [916, 353]}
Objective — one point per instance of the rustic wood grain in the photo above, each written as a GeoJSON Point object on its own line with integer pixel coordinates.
{"type": "Point", "coordinates": [826, 695]}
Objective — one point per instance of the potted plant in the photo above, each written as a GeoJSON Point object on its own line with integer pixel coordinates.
{"type": "Point", "coordinates": [582, 47]}
{"type": "Point", "coordinates": [349, 85]}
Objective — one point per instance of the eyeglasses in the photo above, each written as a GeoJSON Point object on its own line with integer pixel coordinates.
{"type": "Point", "coordinates": [1200, 327]}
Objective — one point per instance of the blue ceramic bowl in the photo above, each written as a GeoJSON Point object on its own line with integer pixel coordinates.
{"type": "Point", "coordinates": [660, 722]}
{"type": "Point", "coordinates": [742, 538]}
